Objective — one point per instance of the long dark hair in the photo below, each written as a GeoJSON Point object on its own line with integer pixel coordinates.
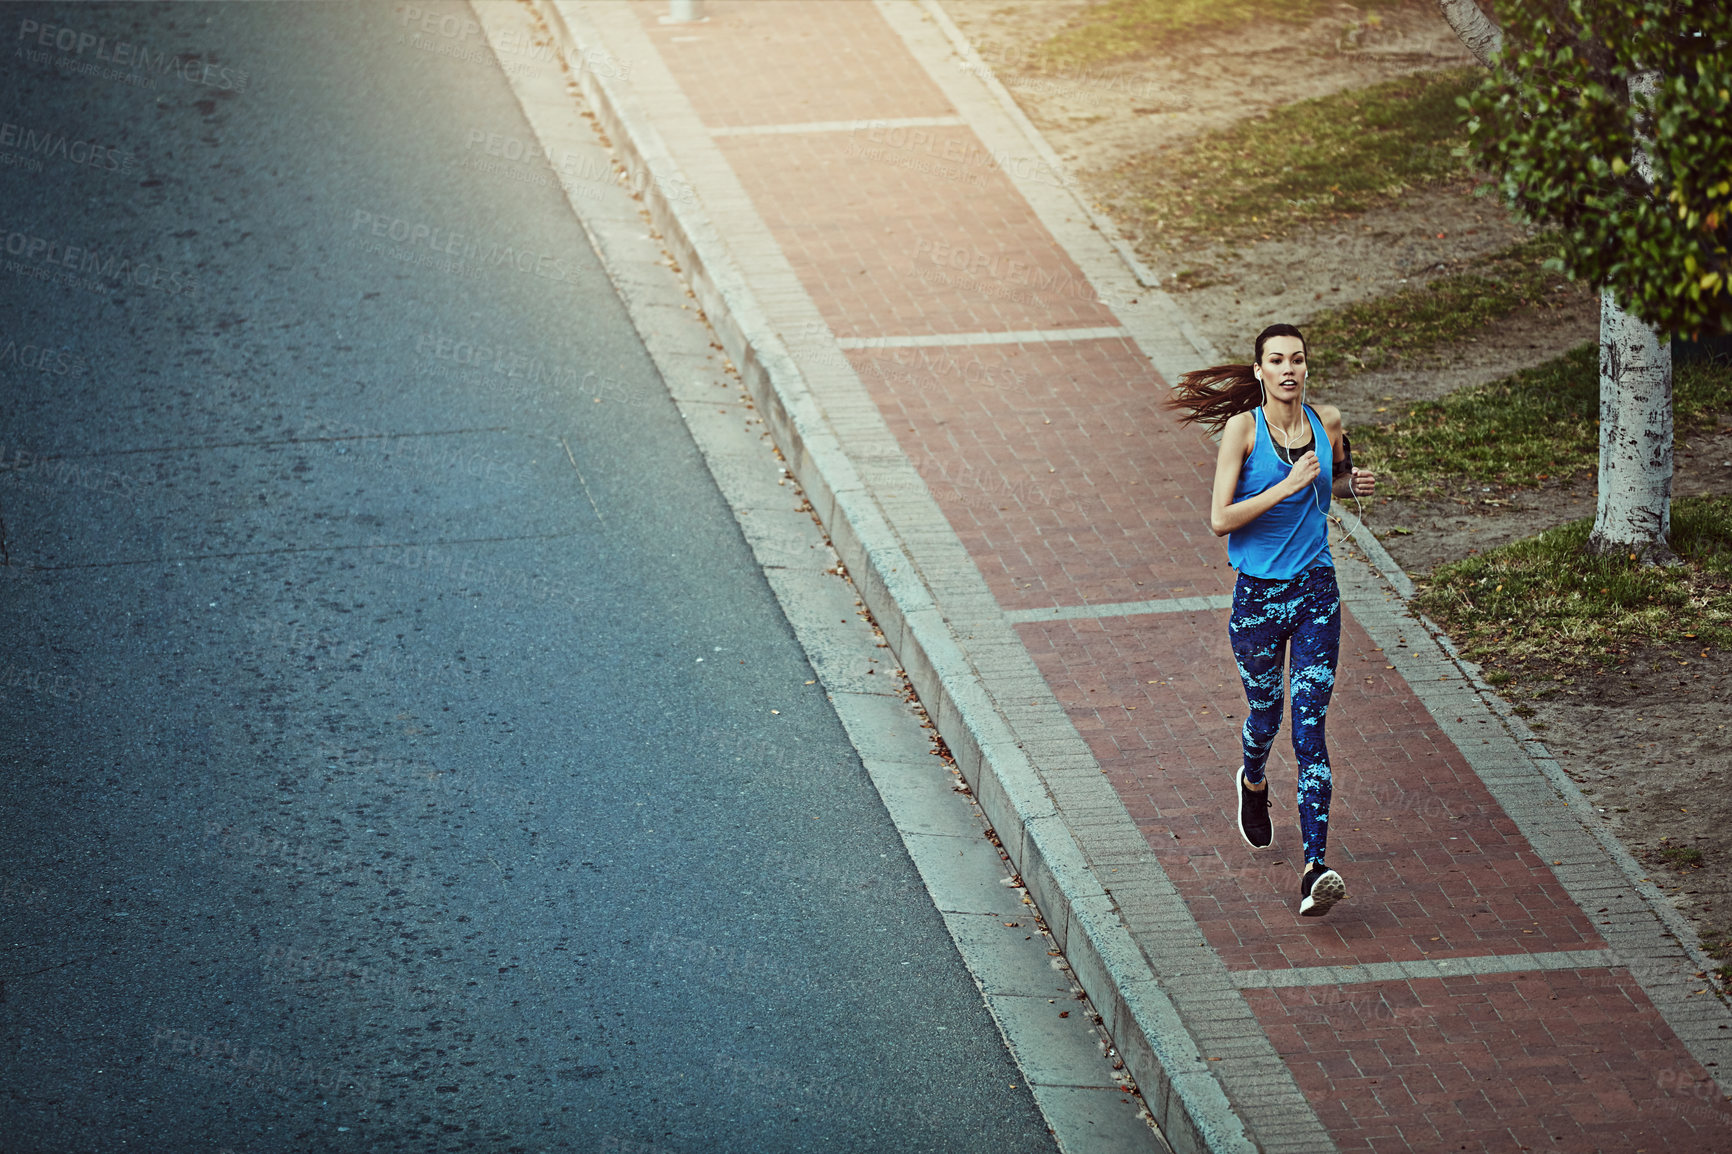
{"type": "Point", "coordinates": [1209, 397]}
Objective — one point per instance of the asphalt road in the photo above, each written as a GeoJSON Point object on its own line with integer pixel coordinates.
{"type": "Point", "coordinates": [387, 755]}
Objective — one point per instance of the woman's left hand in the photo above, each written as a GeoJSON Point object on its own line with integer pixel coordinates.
{"type": "Point", "coordinates": [1363, 483]}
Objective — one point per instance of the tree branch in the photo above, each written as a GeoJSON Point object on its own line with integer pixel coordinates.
{"type": "Point", "coordinates": [1477, 30]}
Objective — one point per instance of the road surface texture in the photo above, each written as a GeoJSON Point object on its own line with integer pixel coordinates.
{"type": "Point", "coordinates": [403, 749]}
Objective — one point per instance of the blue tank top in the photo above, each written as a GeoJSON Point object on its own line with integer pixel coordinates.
{"type": "Point", "coordinates": [1293, 536]}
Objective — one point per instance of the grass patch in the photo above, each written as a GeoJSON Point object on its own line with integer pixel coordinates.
{"type": "Point", "coordinates": [1546, 600]}
{"type": "Point", "coordinates": [1372, 334]}
{"type": "Point", "coordinates": [1717, 944]}
{"type": "Point", "coordinates": [1681, 857]}
{"type": "Point", "coordinates": [1313, 160]}
{"type": "Point", "coordinates": [1121, 29]}
{"type": "Point", "coordinates": [1522, 431]}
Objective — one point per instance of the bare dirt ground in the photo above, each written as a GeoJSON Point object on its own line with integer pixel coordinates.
{"type": "Point", "coordinates": [1097, 118]}
{"type": "Point", "coordinates": [1649, 745]}
{"type": "Point", "coordinates": [1427, 234]}
{"type": "Point", "coordinates": [1101, 118]}
{"type": "Point", "coordinates": [1650, 739]}
{"type": "Point", "coordinates": [1420, 534]}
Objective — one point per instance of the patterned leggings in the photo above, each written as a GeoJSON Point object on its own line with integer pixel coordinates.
{"type": "Point", "coordinates": [1267, 615]}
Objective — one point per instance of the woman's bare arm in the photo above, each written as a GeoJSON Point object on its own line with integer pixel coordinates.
{"type": "Point", "coordinates": [1361, 481]}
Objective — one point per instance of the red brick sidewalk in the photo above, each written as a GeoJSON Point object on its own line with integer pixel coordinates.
{"type": "Point", "coordinates": [1070, 486]}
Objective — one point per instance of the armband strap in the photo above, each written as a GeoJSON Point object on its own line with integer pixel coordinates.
{"type": "Point", "coordinates": [1346, 469]}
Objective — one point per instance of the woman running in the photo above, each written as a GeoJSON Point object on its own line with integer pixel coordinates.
{"type": "Point", "coordinates": [1271, 499]}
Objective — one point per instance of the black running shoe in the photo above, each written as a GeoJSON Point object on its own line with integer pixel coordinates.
{"type": "Point", "coordinates": [1254, 824]}
{"type": "Point", "coordinates": [1320, 890]}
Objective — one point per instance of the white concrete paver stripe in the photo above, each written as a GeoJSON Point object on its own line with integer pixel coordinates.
{"type": "Point", "coordinates": [1424, 968]}
{"type": "Point", "coordinates": [1019, 337]}
{"type": "Point", "coordinates": [1162, 330]}
{"type": "Point", "coordinates": [837, 126]}
{"type": "Point", "coordinates": [1120, 609]}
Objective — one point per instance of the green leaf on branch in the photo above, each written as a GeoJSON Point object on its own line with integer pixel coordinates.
{"type": "Point", "coordinates": [1556, 122]}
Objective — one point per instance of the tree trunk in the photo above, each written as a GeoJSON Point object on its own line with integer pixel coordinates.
{"type": "Point", "coordinates": [1634, 512]}
{"type": "Point", "coordinates": [1476, 30]}
{"type": "Point", "coordinates": [1633, 515]}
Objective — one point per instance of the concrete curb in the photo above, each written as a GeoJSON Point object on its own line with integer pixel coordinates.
{"type": "Point", "coordinates": [1186, 1098]}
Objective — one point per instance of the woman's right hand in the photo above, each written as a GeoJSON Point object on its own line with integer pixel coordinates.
{"type": "Point", "coordinates": [1306, 470]}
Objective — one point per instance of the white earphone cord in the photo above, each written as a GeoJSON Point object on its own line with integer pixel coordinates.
{"type": "Point", "coordinates": [1287, 443]}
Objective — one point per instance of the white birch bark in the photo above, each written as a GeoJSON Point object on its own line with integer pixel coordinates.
{"type": "Point", "coordinates": [1634, 511]}
{"type": "Point", "coordinates": [1482, 37]}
